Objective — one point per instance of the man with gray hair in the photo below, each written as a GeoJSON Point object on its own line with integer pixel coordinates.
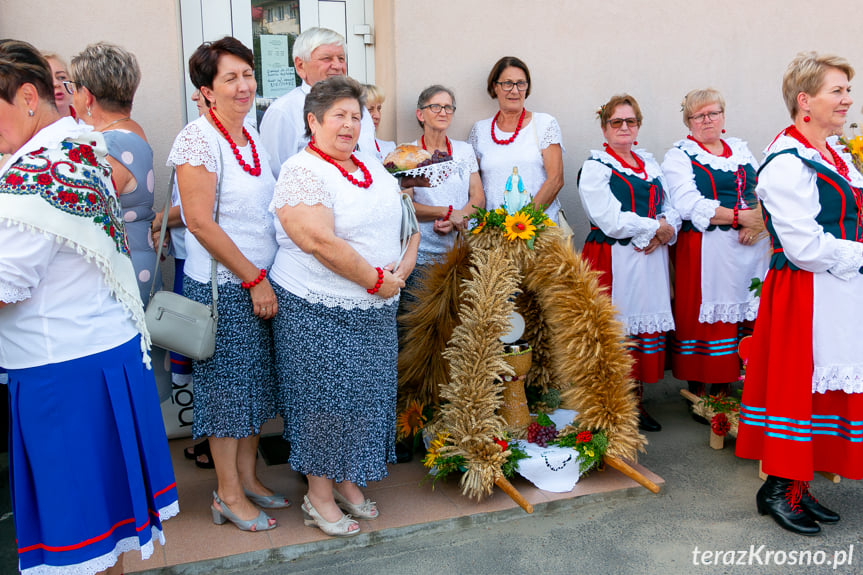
{"type": "Point", "coordinates": [318, 54]}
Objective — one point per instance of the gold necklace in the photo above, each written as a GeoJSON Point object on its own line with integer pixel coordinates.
{"type": "Point", "coordinates": [103, 128]}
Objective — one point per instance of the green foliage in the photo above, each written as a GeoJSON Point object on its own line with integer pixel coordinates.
{"type": "Point", "coordinates": [544, 420]}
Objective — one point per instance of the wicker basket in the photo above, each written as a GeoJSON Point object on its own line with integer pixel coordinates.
{"type": "Point", "coordinates": [514, 408]}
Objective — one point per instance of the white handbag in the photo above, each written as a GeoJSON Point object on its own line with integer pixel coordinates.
{"type": "Point", "coordinates": [175, 322]}
{"type": "Point", "coordinates": [409, 226]}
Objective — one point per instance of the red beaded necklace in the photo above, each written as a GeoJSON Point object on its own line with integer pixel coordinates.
{"type": "Point", "coordinates": [367, 176]}
{"type": "Point", "coordinates": [838, 162]}
{"type": "Point", "coordinates": [448, 145]}
{"type": "Point", "coordinates": [514, 136]}
{"type": "Point", "coordinates": [638, 168]}
{"type": "Point", "coordinates": [726, 149]}
{"type": "Point", "coordinates": [256, 171]}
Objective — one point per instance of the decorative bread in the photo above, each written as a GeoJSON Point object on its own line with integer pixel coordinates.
{"type": "Point", "coordinates": [406, 157]}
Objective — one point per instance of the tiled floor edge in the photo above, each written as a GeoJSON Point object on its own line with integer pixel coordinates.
{"type": "Point", "coordinates": [241, 563]}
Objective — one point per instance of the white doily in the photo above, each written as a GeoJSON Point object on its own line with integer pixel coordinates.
{"type": "Point", "coordinates": [437, 173]}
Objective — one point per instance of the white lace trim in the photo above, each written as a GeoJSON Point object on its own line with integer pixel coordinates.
{"type": "Point", "coordinates": [642, 238]}
{"type": "Point", "coordinates": [636, 324]}
{"type": "Point", "coordinates": [703, 212]}
{"type": "Point", "coordinates": [740, 154]}
{"type": "Point", "coordinates": [850, 256]}
{"type": "Point", "coordinates": [438, 173]}
{"type": "Point", "coordinates": [847, 379]}
{"type": "Point", "coordinates": [787, 142]}
{"type": "Point", "coordinates": [102, 562]}
{"type": "Point", "coordinates": [654, 171]}
{"type": "Point", "coordinates": [672, 217]}
{"type": "Point", "coordinates": [551, 135]}
{"type": "Point", "coordinates": [728, 312]}
{"type": "Point", "coordinates": [349, 303]}
{"type": "Point", "coordinates": [191, 147]}
{"type": "Point", "coordinates": [298, 184]}
{"type": "Point", "coordinates": [12, 294]}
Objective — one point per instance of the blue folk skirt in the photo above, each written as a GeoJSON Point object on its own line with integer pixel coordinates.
{"type": "Point", "coordinates": [90, 470]}
{"type": "Point", "coordinates": [337, 378]}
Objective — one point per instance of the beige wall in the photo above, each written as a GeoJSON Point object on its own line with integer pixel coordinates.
{"type": "Point", "coordinates": [580, 52]}
{"type": "Point", "coordinates": [149, 29]}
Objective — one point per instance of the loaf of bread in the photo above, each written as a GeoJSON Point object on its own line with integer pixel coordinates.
{"type": "Point", "coordinates": [406, 157]}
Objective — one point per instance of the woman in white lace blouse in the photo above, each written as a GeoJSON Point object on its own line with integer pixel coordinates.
{"type": "Point", "coordinates": [234, 389]}
{"type": "Point", "coordinates": [339, 219]}
{"type": "Point", "coordinates": [518, 138]}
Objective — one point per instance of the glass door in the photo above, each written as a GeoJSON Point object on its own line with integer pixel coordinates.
{"type": "Point", "coordinates": [275, 26]}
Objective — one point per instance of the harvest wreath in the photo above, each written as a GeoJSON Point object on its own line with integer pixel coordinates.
{"type": "Point", "coordinates": [451, 356]}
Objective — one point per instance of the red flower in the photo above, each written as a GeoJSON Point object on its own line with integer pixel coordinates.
{"type": "Point", "coordinates": [14, 180]}
{"type": "Point", "coordinates": [92, 198]}
{"type": "Point", "coordinates": [503, 444]}
{"type": "Point", "coordinates": [44, 180]}
{"type": "Point", "coordinates": [75, 155]}
{"type": "Point", "coordinates": [720, 425]}
{"type": "Point", "coordinates": [111, 231]}
{"type": "Point", "coordinates": [583, 436]}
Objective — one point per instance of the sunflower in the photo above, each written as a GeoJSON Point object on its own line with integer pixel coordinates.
{"type": "Point", "coordinates": [479, 227]}
{"type": "Point", "coordinates": [411, 420]}
{"type": "Point", "coordinates": [549, 222]}
{"type": "Point", "coordinates": [433, 453]}
{"type": "Point", "coordinates": [519, 226]}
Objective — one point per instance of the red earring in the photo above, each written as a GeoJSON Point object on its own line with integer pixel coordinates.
{"type": "Point", "coordinates": [635, 143]}
{"type": "Point", "coordinates": [723, 130]}
{"type": "Point", "coordinates": [806, 118]}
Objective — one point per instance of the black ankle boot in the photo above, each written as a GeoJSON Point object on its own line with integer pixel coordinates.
{"type": "Point", "coordinates": [814, 509]}
{"type": "Point", "coordinates": [645, 421]}
{"type": "Point", "coordinates": [780, 498]}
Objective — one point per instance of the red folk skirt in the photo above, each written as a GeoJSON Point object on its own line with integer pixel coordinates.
{"type": "Point", "coordinates": [792, 430]}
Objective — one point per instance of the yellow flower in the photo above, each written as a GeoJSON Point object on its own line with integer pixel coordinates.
{"type": "Point", "coordinates": [433, 453]}
{"type": "Point", "coordinates": [549, 222]}
{"type": "Point", "coordinates": [410, 420]}
{"type": "Point", "coordinates": [519, 226]}
{"type": "Point", "coordinates": [500, 211]}
{"type": "Point", "coordinates": [855, 146]}
{"type": "Point", "coordinates": [478, 228]}
{"type": "Point", "coordinates": [589, 452]}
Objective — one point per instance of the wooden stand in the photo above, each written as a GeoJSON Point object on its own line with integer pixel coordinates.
{"type": "Point", "coordinates": [716, 441]}
{"type": "Point", "coordinates": [507, 488]}
{"type": "Point", "coordinates": [624, 468]}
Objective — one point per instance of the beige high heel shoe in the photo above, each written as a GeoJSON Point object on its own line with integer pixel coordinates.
{"type": "Point", "coordinates": [365, 510]}
{"type": "Point", "coordinates": [338, 528]}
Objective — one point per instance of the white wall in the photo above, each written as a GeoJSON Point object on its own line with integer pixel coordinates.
{"type": "Point", "coordinates": [580, 52]}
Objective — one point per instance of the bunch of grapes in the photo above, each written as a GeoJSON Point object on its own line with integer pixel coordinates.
{"type": "Point", "coordinates": [437, 157]}
{"type": "Point", "coordinates": [541, 434]}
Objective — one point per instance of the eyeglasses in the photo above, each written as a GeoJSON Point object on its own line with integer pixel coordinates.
{"type": "Point", "coordinates": [71, 87]}
{"type": "Point", "coordinates": [616, 123]}
{"type": "Point", "coordinates": [699, 118]}
{"type": "Point", "coordinates": [436, 108]}
{"type": "Point", "coordinates": [508, 86]}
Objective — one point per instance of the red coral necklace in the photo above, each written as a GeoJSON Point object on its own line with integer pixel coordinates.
{"type": "Point", "coordinates": [838, 162]}
{"type": "Point", "coordinates": [367, 176]}
{"type": "Point", "coordinates": [514, 136]}
{"type": "Point", "coordinates": [448, 145]}
{"type": "Point", "coordinates": [638, 168]}
{"type": "Point", "coordinates": [726, 149]}
{"type": "Point", "coordinates": [256, 171]}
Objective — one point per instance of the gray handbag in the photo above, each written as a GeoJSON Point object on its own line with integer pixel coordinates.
{"type": "Point", "coordinates": [178, 323]}
{"type": "Point", "coordinates": [409, 225]}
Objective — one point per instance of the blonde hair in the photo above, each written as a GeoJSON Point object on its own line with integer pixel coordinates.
{"type": "Point", "coordinates": [806, 73]}
{"type": "Point", "coordinates": [374, 94]}
{"type": "Point", "coordinates": [696, 99]}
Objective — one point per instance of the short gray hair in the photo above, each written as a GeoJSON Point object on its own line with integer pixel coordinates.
{"type": "Point", "coordinates": [314, 38]}
{"type": "Point", "coordinates": [110, 73]}
{"type": "Point", "coordinates": [430, 93]}
{"type": "Point", "coordinates": [326, 93]}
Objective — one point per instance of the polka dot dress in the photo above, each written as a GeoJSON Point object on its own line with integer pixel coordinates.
{"type": "Point", "coordinates": [136, 155]}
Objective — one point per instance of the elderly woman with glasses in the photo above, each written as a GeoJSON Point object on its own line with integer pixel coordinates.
{"type": "Point", "coordinates": [720, 249]}
{"type": "Point", "coordinates": [631, 225]}
{"type": "Point", "coordinates": [516, 138]}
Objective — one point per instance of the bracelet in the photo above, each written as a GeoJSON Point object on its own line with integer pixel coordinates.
{"type": "Point", "coordinates": [256, 281]}
{"type": "Point", "coordinates": [378, 285]}
{"type": "Point", "coordinates": [448, 214]}
{"type": "Point", "coordinates": [734, 221]}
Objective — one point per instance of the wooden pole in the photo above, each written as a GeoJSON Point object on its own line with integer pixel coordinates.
{"type": "Point", "coordinates": [507, 488]}
{"type": "Point", "coordinates": [624, 468]}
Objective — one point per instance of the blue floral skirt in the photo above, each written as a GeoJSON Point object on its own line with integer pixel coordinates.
{"type": "Point", "coordinates": [89, 464]}
{"type": "Point", "coordinates": [235, 390]}
{"type": "Point", "coordinates": [337, 377]}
